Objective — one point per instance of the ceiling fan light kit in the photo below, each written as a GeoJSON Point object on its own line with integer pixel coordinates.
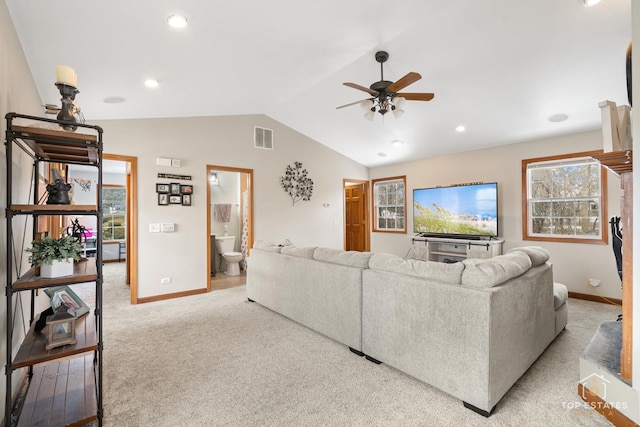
{"type": "Point", "coordinates": [386, 95]}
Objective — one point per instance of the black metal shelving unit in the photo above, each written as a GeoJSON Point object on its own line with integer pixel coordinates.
{"type": "Point", "coordinates": [64, 383]}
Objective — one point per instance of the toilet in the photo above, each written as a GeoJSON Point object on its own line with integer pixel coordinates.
{"type": "Point", "coordinates": [225, 246]}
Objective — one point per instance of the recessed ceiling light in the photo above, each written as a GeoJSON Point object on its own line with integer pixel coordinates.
{"type": "Point", "coordinates": [382, 154]}
{"type": "Point", "coordinates": [177, 21]}
{"type": "Point", "coordinates": [152, 83]}
{"type": "Point", "coordinates": [113, 100]}
{"type": "Point", "coordinates": [396, 143]}
{"type": "Point", "coordinates": [589, 3]}
{"type": "Point", "coordinates": [560, 117]}
{"type": "Point", "coordinates": [461, 128]}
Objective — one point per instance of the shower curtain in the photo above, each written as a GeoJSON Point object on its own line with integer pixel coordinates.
{"type": "Point", "coordinates": [244, 242]}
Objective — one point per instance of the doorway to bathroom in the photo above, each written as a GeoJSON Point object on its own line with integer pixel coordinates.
{"type": "Point", "coordinates": [229, 225]}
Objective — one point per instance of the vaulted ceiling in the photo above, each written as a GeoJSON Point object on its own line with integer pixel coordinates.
{"type": "Point", "coordinates": [502, 68]}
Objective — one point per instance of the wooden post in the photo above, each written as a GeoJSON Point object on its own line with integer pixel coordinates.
{"type": "Point", "coordinates": [617, 143]}
{"type": "Point", "coordinates": [621, 163]}
{"type": "Point", "coordinates": [626, 214]}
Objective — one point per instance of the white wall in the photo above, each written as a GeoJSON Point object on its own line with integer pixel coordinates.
{"type": "Point", "coordinates": [17, 94]}
{"type": "Point", "coordinates": [225, 141]}
{"type": "Point", "coordinates": [574, 263]}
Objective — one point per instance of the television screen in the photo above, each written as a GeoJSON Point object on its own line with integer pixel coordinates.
{"type": "Point", "coordinates": [462, 210]}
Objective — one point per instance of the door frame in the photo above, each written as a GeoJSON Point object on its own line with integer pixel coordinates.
{"type": "Point", "coordinates": [132, 221]}
{"type": "Point", "coordinates": [250, 219]}
{"type": "Point", "coordinates": [366, 220]}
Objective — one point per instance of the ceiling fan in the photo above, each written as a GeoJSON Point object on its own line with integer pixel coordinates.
{"type": "Point", "coordinates": [386, 95]}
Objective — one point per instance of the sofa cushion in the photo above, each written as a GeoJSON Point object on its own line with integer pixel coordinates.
{"type": "Point", "coordinates": [267, 246]}
{"type": "Point", "coordinates": [560, 295]}
{"type": "Point", "coordinates": [486, 273]}
{"type": "Point", "coordinates": [338, 256]}
{"type": "Point", "coordinates": [298, 251]}
{"type": "Point", "coordinates": [537, 254]}
{"type": "Point", "coordinates": [439, 271]}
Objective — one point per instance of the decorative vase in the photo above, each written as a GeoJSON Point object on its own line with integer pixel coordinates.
{"type": "Point", "coordinates": [57, 269]}
{"type": "Point", "coordinates": [58, 193]}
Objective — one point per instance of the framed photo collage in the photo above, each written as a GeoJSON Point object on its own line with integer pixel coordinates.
{"type": "Point", "coordinates": [174, 193]}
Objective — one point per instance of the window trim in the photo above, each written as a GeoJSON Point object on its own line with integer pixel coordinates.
{"type": "Point", "coordinates": [604, 238]}
{"type": "Point", "coordinates": [374, 203]}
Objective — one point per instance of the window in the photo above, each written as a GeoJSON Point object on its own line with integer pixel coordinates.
{"type": "Point", "coordinates": [389, 204]}
{"type": "Point", "coordinates": [564, 199]}
{"type": "Point", "coordinates": [114, 208]}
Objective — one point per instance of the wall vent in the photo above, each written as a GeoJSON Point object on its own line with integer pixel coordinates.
{"type": "Point", "coordinates": [263, 138]}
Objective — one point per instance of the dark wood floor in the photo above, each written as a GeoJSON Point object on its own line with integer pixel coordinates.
{"type": "Point", "coordinates": [222, 281]}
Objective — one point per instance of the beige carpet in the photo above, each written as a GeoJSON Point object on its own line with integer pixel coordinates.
{"type": "Point", "coordinates": [218, 360]}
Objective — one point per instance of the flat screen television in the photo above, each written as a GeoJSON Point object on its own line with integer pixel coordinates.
{"type": "Point", "coordinates": [463, 211]}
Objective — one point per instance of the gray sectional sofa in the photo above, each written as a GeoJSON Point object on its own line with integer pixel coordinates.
{"type": "Point", "coordinates": [470, 328]}
{"type": "Point", "coordinates": [320, 288]}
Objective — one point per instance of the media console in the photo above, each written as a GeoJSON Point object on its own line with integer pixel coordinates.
{"type": "Point", "coordinates": [449, 249]}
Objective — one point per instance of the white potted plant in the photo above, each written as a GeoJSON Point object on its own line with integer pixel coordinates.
{"type": "Point", "coordinates": [55, 257]}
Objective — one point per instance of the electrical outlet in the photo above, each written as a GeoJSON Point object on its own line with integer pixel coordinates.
{"type": "Point", "coordinates": [594, 282]}
{"type": "Point", "coordinates": [165, 280]}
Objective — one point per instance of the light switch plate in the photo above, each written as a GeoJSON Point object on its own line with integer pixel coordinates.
{"type": "Point", "coordinates": [168, 227]}
{"type": "Point", "coordinates": [154, 228]}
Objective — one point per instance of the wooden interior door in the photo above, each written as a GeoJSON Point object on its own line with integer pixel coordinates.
{"type": "Point", "coordinates": [355, 230]}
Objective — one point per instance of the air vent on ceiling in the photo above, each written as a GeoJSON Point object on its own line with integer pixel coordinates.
{"type": "Point", "coordinates": [263, 138]}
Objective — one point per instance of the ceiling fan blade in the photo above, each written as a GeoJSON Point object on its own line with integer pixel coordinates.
{"type": "Point", "coordinates": [416, 96]}
{"type": "Point", "coordinates": [404, 82]}
{"type": "Point", "coordinates": [365, 89]}
{"type": "Point", "coordinates": [351, 103]}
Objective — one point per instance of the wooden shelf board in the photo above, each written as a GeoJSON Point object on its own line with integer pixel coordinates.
{"type": "Point", "coordinates": [45, 134]}
{"type": "Point", "coordinates": [89, 209]}
{"type": "Point", "coordinates": [83, 271]}
{"type": "Point", "coordinates": [32, 350]}
{"type": "Point", "coordinates": [61, 393]}
{"type": "Point", "coordinates": [617, 161]}
{"type": "Point", "coordinates": [57, 145]}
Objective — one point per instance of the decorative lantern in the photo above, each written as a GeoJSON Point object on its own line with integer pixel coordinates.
{"type": "Point", "coordinates": [61, 328]}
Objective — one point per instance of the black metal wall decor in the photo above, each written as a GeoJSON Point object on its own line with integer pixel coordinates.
{"type": "Point", "coordinates": [296, 183]}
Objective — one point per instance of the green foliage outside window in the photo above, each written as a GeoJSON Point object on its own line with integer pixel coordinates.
{"type": "Point", "coordinates": [114, 207]}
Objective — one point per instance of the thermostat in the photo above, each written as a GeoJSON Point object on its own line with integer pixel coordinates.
{"type": "Point", "coordinates": [168, 227]}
